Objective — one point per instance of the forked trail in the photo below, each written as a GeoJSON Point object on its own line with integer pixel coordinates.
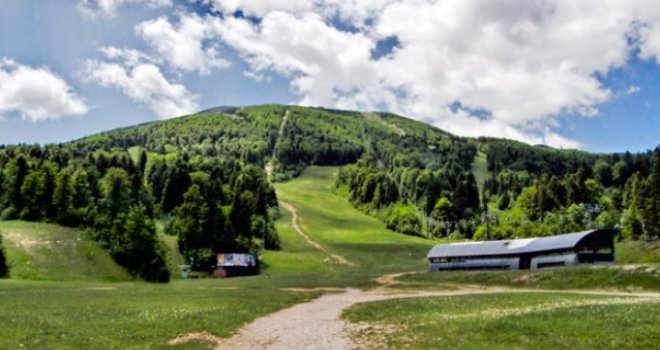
{"type": "Point", "coordinates": [296, 226]}
{"type": "Point", "coordinates": [317, 324]}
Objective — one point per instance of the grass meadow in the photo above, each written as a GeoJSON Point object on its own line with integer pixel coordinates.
{"type": "Point", "coordinates": [512, 321]}
{"type": "Point", "coordinates": [65, 292]}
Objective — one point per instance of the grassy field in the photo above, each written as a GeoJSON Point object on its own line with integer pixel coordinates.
{"type": "Point", "coordinates": [637, 278]}
{"type": "Point", "coordinates": [39, 251]}
{"type": "Point", "coordinates": [331, 220]}
{"type": "Point", "coordinates": [83, 310]}
{"type": "Point", "coordinates": [135, 315]}
{"type": "Point", "coordinates": [67, 293]}
{"type": "Point", "coordinates": [512, 321]}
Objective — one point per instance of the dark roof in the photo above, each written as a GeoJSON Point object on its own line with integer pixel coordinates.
{"type": "Point", "coordinates": [510, 246]}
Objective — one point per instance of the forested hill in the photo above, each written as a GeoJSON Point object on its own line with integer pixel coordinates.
{"type": "Point", "coordinates": [204, 177]}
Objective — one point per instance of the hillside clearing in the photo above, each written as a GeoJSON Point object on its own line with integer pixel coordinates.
{"type": "Point", "coordinates": [299, 299]}
{"type": "Point", "coordinates": [39, 251]}
{"type": "Point", "coordinates": [294, 223]}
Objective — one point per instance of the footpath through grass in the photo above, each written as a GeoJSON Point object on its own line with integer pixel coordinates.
{"type": "Point", "coordinates": [330, 220]}
{"type": "Point", "coordinates": [83, 310]}
{"type": "Point", "coordinates": [511, 321]}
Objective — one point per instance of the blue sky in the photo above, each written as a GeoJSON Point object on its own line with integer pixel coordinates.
{"type": "Point", "coordinates": [540, 73]}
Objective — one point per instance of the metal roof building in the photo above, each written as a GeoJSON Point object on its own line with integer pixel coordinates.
{"type": "Point", "coordinates": [594, 246]}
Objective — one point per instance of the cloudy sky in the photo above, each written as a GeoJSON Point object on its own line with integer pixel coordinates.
{"type": "Point", "coordinates": [566, 73]}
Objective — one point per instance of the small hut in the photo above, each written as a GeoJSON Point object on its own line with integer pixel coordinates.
{"type": "Point", "coordinates": [236, 264]}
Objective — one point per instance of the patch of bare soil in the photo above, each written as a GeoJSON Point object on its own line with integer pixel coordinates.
{"type": "Point", "coordinates": [197, 336]}
{"type": "Point", "coordinates": [296, 226]}
{"type": "Point", "coordinates": [317, 324]}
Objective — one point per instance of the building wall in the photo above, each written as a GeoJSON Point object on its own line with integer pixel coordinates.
{"type": "Point", "coordinates": [474, 264]}
{"type": "Point", "coordinates": [555, 260]}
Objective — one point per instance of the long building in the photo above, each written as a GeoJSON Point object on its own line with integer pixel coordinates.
{"type": "Point", "coordinates": [588, 247]}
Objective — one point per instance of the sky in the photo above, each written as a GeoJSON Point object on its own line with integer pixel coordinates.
{"type": "Point", "coordinates": [568, 74]}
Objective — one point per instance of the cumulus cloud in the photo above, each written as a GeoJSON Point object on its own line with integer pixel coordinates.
{"type": "Point", "coordinates": [36, 94]}
{"type": "Point", "coordinates": [108, 8]}
{"type": "Point", "coordinates": [527, 64]}
{"type": "Point", "coordinates": [142, 81]}
{"type": "Point", "coordinates": [183, 45]}
{"type": "Point", "coordinates": [323, 62]}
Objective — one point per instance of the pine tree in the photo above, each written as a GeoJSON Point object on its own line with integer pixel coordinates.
{"type": "Point", "coordinates": [4, 267]}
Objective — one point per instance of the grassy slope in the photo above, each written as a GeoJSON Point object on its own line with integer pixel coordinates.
{"type": "Point", "coordinates": [513, 321]}
{"type": "Point", "coordinates": [329, 219]}
{"type": "Point", "coordinates": [87, 313]}
{"type": "Point", "coordinates": [84, 314]}
{"type": "Point", "coordinates": [39, 251]}
{"type": "Point", "coordinates": [480, 170]}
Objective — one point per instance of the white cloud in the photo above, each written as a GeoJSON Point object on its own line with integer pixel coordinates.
{"type": "Point", "coordinates": [36, 94]}
{"type": "Point", "coordinates": [525, 63]}
{"type": "Point", "coordinates": [108, 8]}
{"type": "Point", "coordinates": [183, 45]}
{"type": "Point", "coordinates": [261, 8]}
{"type": "Point", "coordinates": [143, 82]}
{"type": "Point", "coordinates": [324, 63]}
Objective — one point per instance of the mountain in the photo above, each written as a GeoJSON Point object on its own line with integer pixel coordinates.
{"type": "Point", "coordinates": [208, 178]}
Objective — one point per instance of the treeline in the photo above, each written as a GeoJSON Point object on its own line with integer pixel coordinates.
{"type": "Point", "coordinates": [532, 197]}
{"type": "Point", "coordinates": [415, 178]}
{"type": "Point", "coordinates": [315, 136]}
{"type": "Point", "coordinates": [201, 176]}
{"type": "Point", "coordinates": [423, 184]}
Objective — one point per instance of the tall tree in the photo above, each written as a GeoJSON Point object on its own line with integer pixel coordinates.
{"type": "Point", "coordinates": [4, 266]}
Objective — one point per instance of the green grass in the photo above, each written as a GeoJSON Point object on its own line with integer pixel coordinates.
{"type": "Point", "coordinates": [75, 315]}
{"type": "Point", "coordinates": [480, 170]}
{"type": "Point", "coordinates": [512, 321]}
{"type": "Point", "coordinates": [637, 252]}
{"type": "Point", "coordinates": [83, 310]}
{"type": "Point", "coordinates": [39, 251]}
{"type": "Point", "coordinates": [90, 313]}
{"type": "Point", "coordinates": [331, 220]}
{"type": "Point", "coordinates": [611, 277]}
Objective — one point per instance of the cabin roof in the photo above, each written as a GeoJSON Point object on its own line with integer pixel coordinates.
{"type": "Point", "coordinates": [511, 246]}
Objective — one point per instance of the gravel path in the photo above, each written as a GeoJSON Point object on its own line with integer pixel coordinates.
{"type": "Point", "coordinates": [317, 324]}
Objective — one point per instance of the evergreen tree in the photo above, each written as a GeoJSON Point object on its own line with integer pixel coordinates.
{"type": "Point", "coordinates": [63, 196]}
{"type": "Point", "coordinates": [4, 266]}
{"type": "Point", "coordinates": [15, 172]}
{"type": "Point", "coordinates": [651, 211]}
{"type": "Point", "coordinates": [189, 224]}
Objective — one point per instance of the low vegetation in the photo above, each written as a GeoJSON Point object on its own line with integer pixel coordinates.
{"type": "Point", "coordinates": [84, 315]}
{"type": "Point", "coordinates": [511, 321]}
{"type": "Point", "coordinates": [39, 251]}
{"type": "Point", "coordinates": [81, 309]}
{"type": "Point", "coordinates": [644, 277]}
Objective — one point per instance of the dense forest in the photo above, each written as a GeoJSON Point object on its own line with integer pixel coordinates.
{"type": "Point", "coordinates": [207, 179]}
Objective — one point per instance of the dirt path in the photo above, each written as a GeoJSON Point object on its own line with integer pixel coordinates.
{"type": "Point", "coordinates": [317, 324]}
{"type": "Point", "coordinates": [296, 226]}
{"type": "Point", "coordinates": [280, 132]}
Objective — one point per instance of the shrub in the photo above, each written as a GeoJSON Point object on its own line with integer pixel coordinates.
{"type": "Point", "coordinates": [404, 219]}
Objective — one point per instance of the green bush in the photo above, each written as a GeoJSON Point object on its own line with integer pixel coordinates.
{"type": "Point", "coordinates": [404, 219]}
